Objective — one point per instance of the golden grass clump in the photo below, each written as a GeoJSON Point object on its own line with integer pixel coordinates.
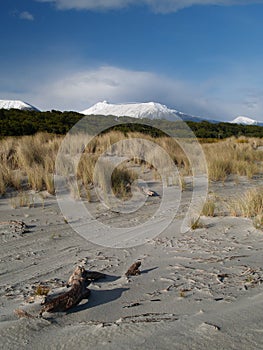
{"type": "Point", "coordinates": [2, 183]}
{"type": "Point", "coordinates": [42, 290]}
{"type": "Point", "coordinates": [258, 221]}
{"type": "Point", "coordinates": [49, 183]}
{"type": "Point", "coordinates": [22, 199]}
{"type": "Point", "coordinates": [27, 162]}
{"type": "Point", "coordinates": [219, 169]}
{"type": "Point", "coordinates": [121, 180]}
{"type": "Point", "coordinates": [176, 153]}
{"type": "Point", "coordinates": [209, 208]}
{"type": "Point", "coordinates": [196, 223]}
{"type": "Point", "coordinates": [233, 156]}
{"type": "Point", "coordinates": [249, 205]}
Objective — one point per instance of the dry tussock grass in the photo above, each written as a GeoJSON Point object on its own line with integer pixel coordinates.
{"type": "Point", "coordinates": [28, 162]}
{"type": "Point", "coordinates": [249, 205]}
{"type": "Point", "coordinates": [233, 156]}
{"type": "Point", "coordinates": [209, 208]}
{"type": "Point", "coordinates": [121, 180]}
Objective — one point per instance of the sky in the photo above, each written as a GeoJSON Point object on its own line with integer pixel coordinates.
{"type": "Point", "coordinates": [201, 57]}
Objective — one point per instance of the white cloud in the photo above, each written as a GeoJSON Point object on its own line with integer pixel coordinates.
{"type": "Point", "coordinates": [81, 89]}
{"type": "Point", "coordinates": [92, 4]}
{"type": "Point", "coordinates": [221, 98]}
{"type": "Point", "coordinates": [26, 15]}
{"type": "Point", "coordinates": [162, 6]}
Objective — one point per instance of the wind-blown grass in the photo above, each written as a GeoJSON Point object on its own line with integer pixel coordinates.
{"type": "Point", "coordinates": [28, 162]}
{"type": "Point", "coordinates": [249, 204]}
{"type": "Point", "coordinates": [233, 157]}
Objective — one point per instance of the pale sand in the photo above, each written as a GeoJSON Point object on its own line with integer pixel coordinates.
{"type": "Point", "coordinates": [200, 290]}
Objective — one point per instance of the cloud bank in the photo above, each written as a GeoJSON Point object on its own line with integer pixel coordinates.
{"type": "Point", "coordinates": [79, 90]}
{"type": "Point", "coordinates": [159, 6]}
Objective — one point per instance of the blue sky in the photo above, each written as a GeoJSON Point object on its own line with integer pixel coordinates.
{"type": "Point", "coordinates": [202, 57]}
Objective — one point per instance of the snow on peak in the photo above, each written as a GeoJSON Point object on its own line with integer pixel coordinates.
{"type": "Point", "coordinates": [151, 110]}
{"type": "Point", "coordinates": [244, 120]}
{"type": "Point", "coordinates": [8, 104]}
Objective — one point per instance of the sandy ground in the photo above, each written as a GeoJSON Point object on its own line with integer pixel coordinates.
{"type": "Point", "coordinates": [199, 290]}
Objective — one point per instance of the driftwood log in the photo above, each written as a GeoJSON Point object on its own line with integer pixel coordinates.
{"type": "Point", "coordinates": [133, 270]}
{"type": "Point", "coordinates": [78, 283]}
{"type": "Point", "coordinates": [14, 226]}
{"type": "Point", "coordinates": [87, 275]}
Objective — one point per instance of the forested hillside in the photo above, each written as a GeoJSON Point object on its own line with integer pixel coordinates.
{"type": "Point", "coordinates": [17, 123]}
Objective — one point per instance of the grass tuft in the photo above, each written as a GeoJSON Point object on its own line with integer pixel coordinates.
{"type": "Point", "coordinates": [209, 208]}
{"type": "Point", "coordinates": [196, 223]}
{"type": "Point", "coordinates": [42, 290]}
{"type": "Point", "coordinates": [249, 205]}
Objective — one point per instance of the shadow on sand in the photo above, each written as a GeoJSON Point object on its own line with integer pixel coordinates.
{"type": "Point", "coordinates": [99, 297]}
{"type": "Point", "coordinates": [148, 270]}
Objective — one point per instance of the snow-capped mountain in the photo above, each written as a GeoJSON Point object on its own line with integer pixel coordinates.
{"type": "Point", "coordinates": [150, 110]}
{"type": "Point", "coordinates": [8, 104]}
{"type": "Point", "coordinates": [244, 121]}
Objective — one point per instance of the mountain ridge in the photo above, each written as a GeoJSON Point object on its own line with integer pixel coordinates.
{"type": "Point", "coordinates": [244, 120]}
{"type": "Point", "coordinates": [150, 110]}
{"type": "Point", "coordinates": [154, 110]}
{"type": "Point", "coordinates": [16, 104]}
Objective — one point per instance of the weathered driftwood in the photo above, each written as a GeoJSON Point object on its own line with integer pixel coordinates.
{"type": "Point", "coordinates": [134, 269]}
{"type": "Point", "coordinates": [78, 281]}
{"type": "Point", "coordinates": [88, 275]}
{"type": "Point", "coordinates": [15, 226]}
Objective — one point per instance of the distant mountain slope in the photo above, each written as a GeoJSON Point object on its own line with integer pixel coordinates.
{"type": "Point", "coordinates": [244, 120]}
{"type": "Point", "coordinates": [150, 110]}
{"type": "Point", "coordinates": [16, 104]}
